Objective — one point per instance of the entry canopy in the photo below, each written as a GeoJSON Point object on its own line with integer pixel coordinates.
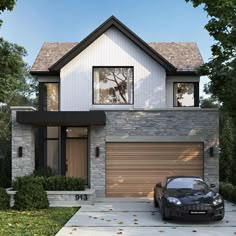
{"type": "Point", "coordinates": [61, 118]}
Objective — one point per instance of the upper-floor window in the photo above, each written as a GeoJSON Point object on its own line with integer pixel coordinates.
{"type": "Point", "coordinates": [186, 94]}
{"type": "Point", "coordinates": [50, 97]}
{"type": "Point", "coordinates": [113, 85]}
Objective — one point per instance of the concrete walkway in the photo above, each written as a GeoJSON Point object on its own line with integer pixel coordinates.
{"type": "Point", "coordinates": [137, 217]}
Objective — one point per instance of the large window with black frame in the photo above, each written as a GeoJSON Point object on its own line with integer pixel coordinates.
{"type": "Point", "coordinates": [113, 85]}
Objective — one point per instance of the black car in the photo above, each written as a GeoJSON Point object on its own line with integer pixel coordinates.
{"type": "Point", "coordinates": [188, 198]}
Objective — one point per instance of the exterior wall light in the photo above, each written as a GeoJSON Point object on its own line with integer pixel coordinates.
{"type": "Point", "coordinates": [211, 151]}
{"type": "Point", "coordinates": [20, 151]}
{"type": "Point", "coordinates": [97, 151]}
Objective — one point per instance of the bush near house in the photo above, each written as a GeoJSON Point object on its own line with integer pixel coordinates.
{"type": "Point", "coordinates": [228, 191]}
{"type": "Point", "coordinates": [4, 199]}
{"type": "Point", "coordinates": [53, 183]}
{"type": "Point", "coordinates": [31, 196]}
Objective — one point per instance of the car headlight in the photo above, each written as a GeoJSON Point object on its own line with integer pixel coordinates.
{"type": "Point", "coordinates": [217, 200]}
{"type": "Point", "coordinates": [174, 200]}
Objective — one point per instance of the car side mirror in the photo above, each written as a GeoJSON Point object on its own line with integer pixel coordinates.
{"type": "Point", "coordinates": [212, 185]}
{"type": "Point", "coordinates": [158, 185]}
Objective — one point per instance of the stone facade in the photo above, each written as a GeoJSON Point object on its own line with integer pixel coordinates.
{"type": "Point", "coordinates": [164, 125]}
{"type": "Point", "coordinates": [182, 125]}
{"type": "Point", "coordinates": [97, 164]}
{"type": "Point", "coordinates": [22, 136]}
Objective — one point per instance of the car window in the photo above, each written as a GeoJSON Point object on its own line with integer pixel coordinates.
{"type": "Point", "coordinates": [187, 183]}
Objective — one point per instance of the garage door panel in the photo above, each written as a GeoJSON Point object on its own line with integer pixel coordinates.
{"type": "Point", "coordinates": [132, 169]}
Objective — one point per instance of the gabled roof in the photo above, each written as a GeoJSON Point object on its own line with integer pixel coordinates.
{"type": "Point", "coordinates": [174, 57]}
{"type": "Point", "coordinates": [111, 22]}
{"type": "Point", "coordinates": [184, 56]}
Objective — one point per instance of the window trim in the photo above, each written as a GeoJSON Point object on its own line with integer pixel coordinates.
{"type": "Point", "coordinates": [195, 90]}
{"type": "Point", "coordinates": [112, 104]}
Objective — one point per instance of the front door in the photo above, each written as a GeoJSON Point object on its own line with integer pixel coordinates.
{"type": "Point", "coordinates": [76, 152]}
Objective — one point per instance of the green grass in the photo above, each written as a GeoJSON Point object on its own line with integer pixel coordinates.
{"type": "Point", "coordinates": [39, 222]}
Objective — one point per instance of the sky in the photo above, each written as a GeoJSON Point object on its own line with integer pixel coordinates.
{"type": "Point", "coordinates": [33, 22]}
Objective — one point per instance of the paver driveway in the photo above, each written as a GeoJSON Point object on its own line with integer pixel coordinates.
{"type": "Point", "coordinates": [138, 217]}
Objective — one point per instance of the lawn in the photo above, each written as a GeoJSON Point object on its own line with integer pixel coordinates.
{"type": "Point", "coordinates": [39, 222]}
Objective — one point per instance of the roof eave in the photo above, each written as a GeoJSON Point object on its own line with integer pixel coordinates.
{"type": "Point", "coordinates": [46, 73]}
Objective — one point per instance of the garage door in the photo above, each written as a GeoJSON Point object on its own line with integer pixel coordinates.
{"type": "Point", "coordinates": [132, 169]}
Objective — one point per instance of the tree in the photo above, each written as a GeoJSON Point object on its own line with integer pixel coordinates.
{"type": "Point", "coordinates": [6, 5]}
{"type": "Point", "coordinates": [226, 146]}
{"type": "Point", "coordinates": [16, 88]}
{"type": "Point", "coordinates": [221, 69]}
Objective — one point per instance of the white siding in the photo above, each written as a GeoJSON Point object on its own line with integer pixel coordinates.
{"type": "Point", "coordinates": [169, 86]}
{"type": "Point", "coordinates": [112, 49]}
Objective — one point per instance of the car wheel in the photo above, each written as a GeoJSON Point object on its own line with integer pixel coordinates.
{"type": "Point", "coordinates": [219, 218]}
{"type": "Point", "coordinates": [155, 201]}
{"type": "Point", "coordinates": [163, 214]}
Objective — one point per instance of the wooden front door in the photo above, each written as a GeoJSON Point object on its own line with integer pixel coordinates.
{"type": "Point", "coordinates": [76, 153]}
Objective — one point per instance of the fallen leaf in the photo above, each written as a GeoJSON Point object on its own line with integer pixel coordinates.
{"type": "Point", "coordinates": [119, 233]}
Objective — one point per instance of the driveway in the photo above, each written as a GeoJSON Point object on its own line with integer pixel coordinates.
{"type": "Point", "coordinates": [138, 217]}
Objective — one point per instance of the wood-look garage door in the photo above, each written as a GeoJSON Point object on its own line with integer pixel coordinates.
{"type": "Point", "coordinates": [132, 169]}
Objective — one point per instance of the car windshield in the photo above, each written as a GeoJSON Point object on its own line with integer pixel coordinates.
{"type": "Point", "coordinates": [186, 183]}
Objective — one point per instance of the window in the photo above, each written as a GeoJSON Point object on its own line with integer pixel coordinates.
{"type": "Point", "coordinates": [50, 96]}
{"type": "Point", "coordinates": [76, 132]}
{"type": "Point", "coordinates": [113, 85]}
{"type": "Point", "coordinates": [51, 142]}
{"type": "Point", "coordinates": [186, 94]}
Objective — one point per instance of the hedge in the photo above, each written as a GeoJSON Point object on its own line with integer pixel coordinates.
{"type": "Point", "coordinates": [52, 183]}
{"type": "Point", "coordinates": [228, 191]}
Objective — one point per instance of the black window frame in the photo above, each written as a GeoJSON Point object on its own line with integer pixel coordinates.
{"type": "Point", "coordinates": [45, 146]}
{"type": "Point", "coordinates": [195, 95]}
{"type": "Point", "coordinates": [112, 104]}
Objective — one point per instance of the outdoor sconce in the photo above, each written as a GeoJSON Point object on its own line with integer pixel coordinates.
{"type": "Point", "coordinates": [211, 151]}
{"type": "Point", "coordinates": [20, 151]}
{"type": "Point", "coordinates": [97, 151]}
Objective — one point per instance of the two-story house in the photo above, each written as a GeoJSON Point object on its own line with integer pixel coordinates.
{"type": "Point", "coordinates": [118, 111]}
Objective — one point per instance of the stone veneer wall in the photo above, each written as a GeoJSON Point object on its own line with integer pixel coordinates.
{"type": "Point", "coordinates": [178, 123]}
{"type": "Point", "coordinates": [22, 136]}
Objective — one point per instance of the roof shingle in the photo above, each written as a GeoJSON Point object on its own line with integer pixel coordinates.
{"type": "Point", "coordinates": [185, 56]}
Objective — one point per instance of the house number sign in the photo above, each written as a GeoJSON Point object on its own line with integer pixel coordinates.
{"type": "Point", "coordinates": [82, 197]}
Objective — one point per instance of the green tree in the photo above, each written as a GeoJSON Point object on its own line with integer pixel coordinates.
{"type": "Point", "coordinates": [226, 146]}
{"type": "Point", "coordinates": [6, 5]}
{"type": "Point", "coordinates": [221, 68]}
{"type": "Point", "coordinates": [16, 89]}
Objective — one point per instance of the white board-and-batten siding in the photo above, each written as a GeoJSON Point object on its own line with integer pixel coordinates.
{"type": "Point", "coordinates": [112, 49]}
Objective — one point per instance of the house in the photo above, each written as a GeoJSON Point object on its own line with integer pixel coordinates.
{"type": "Point", "coordinates": [118, 111]}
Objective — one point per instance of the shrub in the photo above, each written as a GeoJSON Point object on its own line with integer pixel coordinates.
{"type": "Point", "coordinates": [21, 181]}
{"type": "Point", "coordinates": [65, 183]}
{"type": "Point", "coordinates": [4, 199]}
{"type": "Point", "coordinates": [46, 172]}
{"type": "Point", "coordinates": [228, 191]}
{"type": "Point", "coordinates": [53, 183]}
{"type": "Point", "coordinates": [30, 196]}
